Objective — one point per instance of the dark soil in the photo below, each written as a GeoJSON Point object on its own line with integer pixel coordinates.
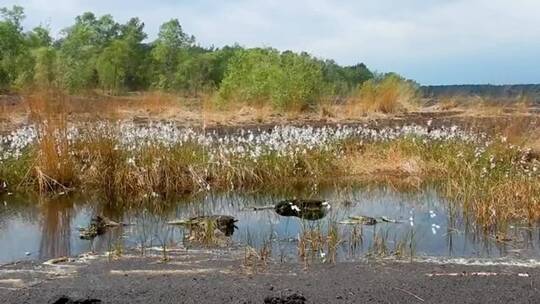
{"type": "Point", "coordinates": [210, 277]}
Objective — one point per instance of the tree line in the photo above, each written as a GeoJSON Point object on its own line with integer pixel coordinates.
{"type": "Point", "coordinates": [98, 53]}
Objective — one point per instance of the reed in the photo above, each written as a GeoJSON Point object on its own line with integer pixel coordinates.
{"type": "Point", "coordinates": [494, 180]}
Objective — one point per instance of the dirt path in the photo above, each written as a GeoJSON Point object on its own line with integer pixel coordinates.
{"type": "Point", "coordinates": [210, 277]}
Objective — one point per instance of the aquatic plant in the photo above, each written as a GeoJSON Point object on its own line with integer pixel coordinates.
{"type": "Point", "coordinates": [493, 179]}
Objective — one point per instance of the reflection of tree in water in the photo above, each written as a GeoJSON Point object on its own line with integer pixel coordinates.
{"type": "Point", "coordinates": [56, 228]}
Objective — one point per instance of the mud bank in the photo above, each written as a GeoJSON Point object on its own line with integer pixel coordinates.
{"type": "Point", "coordinates": [225, 277]}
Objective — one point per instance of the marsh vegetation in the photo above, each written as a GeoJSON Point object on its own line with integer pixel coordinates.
{"type": "Point", "coordinates": [100, 115]}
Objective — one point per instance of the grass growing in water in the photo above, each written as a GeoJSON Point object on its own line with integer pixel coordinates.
{"type": "Point", "coordinates": [494, 180]}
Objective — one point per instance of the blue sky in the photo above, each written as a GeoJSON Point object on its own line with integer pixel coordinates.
{"type": "Point", "coordinates": [431, 41]}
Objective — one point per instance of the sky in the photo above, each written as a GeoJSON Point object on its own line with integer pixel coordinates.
{"type": "Point", "coordinates": [430, 41]}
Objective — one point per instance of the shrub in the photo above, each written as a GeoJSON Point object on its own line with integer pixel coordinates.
{"type": "Point", "coordinates": [387, 94]}
{"type": "Point", "coordinates": [284, 80]}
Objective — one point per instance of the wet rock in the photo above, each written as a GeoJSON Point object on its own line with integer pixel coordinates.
{"type": "Point", "coordinates": [68, 300]}
{"type": "Point", "coordinates": [305, 209]}
{"type": "Point", "coordinates": [294, 298]}
{"type": "Point", "coordinates": [3, 186]}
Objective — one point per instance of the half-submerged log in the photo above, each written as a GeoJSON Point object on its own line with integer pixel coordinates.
{"type": "Point", "coordinates": [307, 209]}
{"type": "Point", "coordinates": [98, 226]}
{"type": "Point", "coordinates": [368, 220]}
{"type": "Point", "coordinates": [224, 223]}
{"type": "Point", "coordinates": [3, 186]}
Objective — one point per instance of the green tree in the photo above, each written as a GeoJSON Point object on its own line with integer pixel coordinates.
{"type": "Point", "coordinates": [166, 53]}
{"type": "Point", "coordinates": [222, 58]}
{"type": "Point", "coordinates": [285, 80]}
{"type": "Point", "coordinates": [137, 65]}
{"type": "Point", "coordinates": [38, 37]}
{"type": "Point", "coordinates": [45, 67]}
{"type": "Point", "coordinates": [112, 65]}
{"type": "Point", "coordinates": [344, 80]}
{"type": "Point", "coordinates": [80, 49]}
{"type": "Point", "coordinates": [194, 71]}
{"type": "Point", "coordinates": [13, 51]}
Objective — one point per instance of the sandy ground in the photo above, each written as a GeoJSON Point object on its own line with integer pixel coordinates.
{"type": "Point", "coordinates": [223, 277]}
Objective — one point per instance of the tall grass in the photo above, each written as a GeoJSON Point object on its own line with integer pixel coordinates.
{"type": "Point", "coordinates": [53, 166]}
{"type": "Point", "coordinates": [495, 184]}
{"type": "Point", "coordinates": [389, 94]}
{"type": "Point", "coordinates": [494, 181]}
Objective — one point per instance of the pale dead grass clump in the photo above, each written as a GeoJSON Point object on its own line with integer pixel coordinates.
{"type": "Point", "coordinates": [53, 167]}
{"type": "Point", "coordinates": [391, 162]}
{"type": "Point", "coordinates": [390, 94]}
{"type": "Point", "coordinates": [481, 106]}
{"type": "Point", "coordinates": [448, 103]}
{"type": "Point", "coordinates": [534, 142]}
{"type": "Point", "coordinates": [158, 103]}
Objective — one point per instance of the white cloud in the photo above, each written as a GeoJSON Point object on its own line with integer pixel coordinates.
{"type": "Point", "coordinates": [409, 36]}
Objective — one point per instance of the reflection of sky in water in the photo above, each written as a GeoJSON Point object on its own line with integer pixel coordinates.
{"type": "Point", "coordinates": [49, 229]}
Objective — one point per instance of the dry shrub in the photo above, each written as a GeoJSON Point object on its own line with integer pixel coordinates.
{"type": "Point", "coordinates": [448, 103]}
{"type": "Point", "coordinates": [390, 94]}
{"type": "Point", "coordinates": [523, 105]}
{"type": "Point", "coordinates": [326, 111]}
{"type": "Point", "coordinates": [518, 130]}
{"type": "Point", "coordinates": [158, 102]}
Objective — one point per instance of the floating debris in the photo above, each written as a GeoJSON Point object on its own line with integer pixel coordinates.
{"type": "Point", "coordinates": [389, 220]}
{"type": "Point", "coordinates": [367, 220]}
{"type": "Point", "coordinates": [98, 226]}
{"type": "Point", "coordinates": [363, 220]}
{"type": "Point", "coordinates": [3, 186]}
{"type": "Point", "coordinates": [307, 209]}
{"type": "Point", "coordinates": [56, 261]}
{"type": "Point", "coordinates": [224, 223]}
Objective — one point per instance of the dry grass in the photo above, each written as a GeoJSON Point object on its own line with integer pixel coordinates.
{"type": "Point", "coordinates": [481, 106]}
{"type": "Point", "coordinates": [389, 95]}
{"type": "Point", "coordinates": [53, 167]}
{"type": "Point", "coordinates": [95, 163]}
{"type": "Point", "coordinates": [448, 103]}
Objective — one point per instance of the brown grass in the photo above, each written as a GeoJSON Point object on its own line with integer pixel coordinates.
{"type": "Point", "coordinates": [392, 166]}
{"type": "Point", "coordinates": [53, 167]}
{"type": "Point", "coordinates": [388, 95]}
{"type": "Point", "coordinates": [448, 103]}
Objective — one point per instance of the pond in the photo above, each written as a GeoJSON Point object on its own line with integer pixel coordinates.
{"type": "Point", "coordinates": [419, 223]}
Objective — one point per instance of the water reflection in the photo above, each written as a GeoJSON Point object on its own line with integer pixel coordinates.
{"type": "Point", "coordinates": [426, 225]}
{"type": "Point", "coordinates": [55, 228]}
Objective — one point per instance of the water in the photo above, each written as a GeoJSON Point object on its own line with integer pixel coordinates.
{"type": "Point", "coordinates": [33, 229]}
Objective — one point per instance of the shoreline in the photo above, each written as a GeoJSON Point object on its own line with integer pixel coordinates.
{"type": "Point", "coordinates": [214, 277]}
